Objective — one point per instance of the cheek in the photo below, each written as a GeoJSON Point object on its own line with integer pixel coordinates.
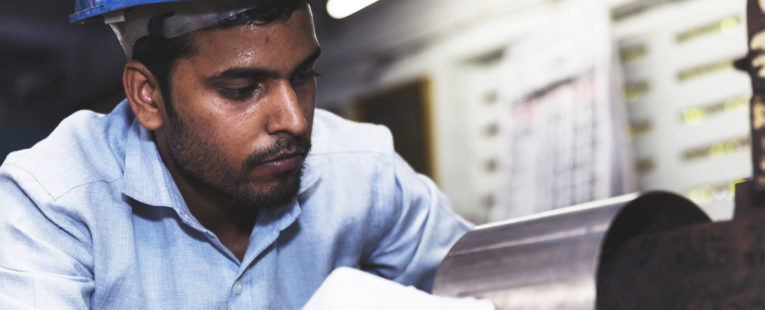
{"type": "Point", "coordinates": [228, 149]}
{"type": "Point", "coordinates": [307, 96]}
{"type": "Point", "coordinates": [308, 109]}
{"type": "Point", "coordinates": [211, 135]}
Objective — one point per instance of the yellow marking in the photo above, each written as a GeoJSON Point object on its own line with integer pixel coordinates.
{"type": "Point", "coordinates": [705, 194]}
{"type": "Point", "coordinates": [758, 41]}
{"type": "Point", "coordinates": [693, 116]}
{"type": "Point", "coordinates": [735, 103]}
{"type": "Point", "coordinates": [733, 185]}
{"type": "Point", "coordinates": [758, 62]}
{"type": "Point", "coordinates": [719, 149]}
{"type": "Point", "coordinates": [729, 23]}
{"type": "Point", "coordinates": [635, 91]}
{"type": "Point", "coordinates": [723, 25]}
{"type": "Point", "coordinates": [703, 70]}
{"type": "Point", "coordinates": [696, 115]}
{"type": "Point", "coordinates": [758, 112]}
{"type": "Point", "coordinates": [632, 54]}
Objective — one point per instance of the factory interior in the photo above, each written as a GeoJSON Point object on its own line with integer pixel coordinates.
{"type": "Point", "coordinates": [518, 110]}
{"type": "Point", "coordinates": [440, 74]}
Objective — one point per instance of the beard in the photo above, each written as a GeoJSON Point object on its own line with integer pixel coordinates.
{"type": "Point", "coordinates": [199, 157]}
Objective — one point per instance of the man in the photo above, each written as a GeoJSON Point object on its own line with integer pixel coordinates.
{"type": "Point", "coordinates": [202, 190]}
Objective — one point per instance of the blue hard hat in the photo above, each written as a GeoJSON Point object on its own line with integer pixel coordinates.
{"type": "Point", "coordinates": [86, 9]}
{"type": "Point", "coordinates": [132, 19]}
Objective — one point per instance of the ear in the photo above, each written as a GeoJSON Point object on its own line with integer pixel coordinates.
{"type": "Point", "coordinates": [144, 95]}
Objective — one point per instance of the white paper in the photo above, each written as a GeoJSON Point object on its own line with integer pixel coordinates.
{"type": "Point", "coordinates": [351, 289]}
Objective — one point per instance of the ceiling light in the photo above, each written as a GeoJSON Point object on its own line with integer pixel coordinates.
{"type": "Point", "coordinates": [343, 8]}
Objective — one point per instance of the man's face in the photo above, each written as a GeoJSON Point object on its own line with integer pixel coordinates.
{"type": "Point", "coordinates": [243, 110]}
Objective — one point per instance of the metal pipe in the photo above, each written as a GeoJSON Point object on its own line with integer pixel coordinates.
{"type": "Point", "coordinates": [551, 260]}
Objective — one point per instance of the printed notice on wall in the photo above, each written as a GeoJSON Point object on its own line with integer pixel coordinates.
{"type": "Point", "coordinates": [564, 128]}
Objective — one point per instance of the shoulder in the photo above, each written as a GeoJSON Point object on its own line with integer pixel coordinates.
{"type": "Point", "coordinates": [333, 134]}
{"type": "Point", "coordinates": [84, 148]}
{"type": "Point", "coordinates": [356, 165]}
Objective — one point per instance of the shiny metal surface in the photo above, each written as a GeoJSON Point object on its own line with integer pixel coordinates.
{"type": "Point", "coordinates": [550, 260]}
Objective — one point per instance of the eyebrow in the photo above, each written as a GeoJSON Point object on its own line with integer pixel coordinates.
{"type": "Point", "coordinates": [245, 72]}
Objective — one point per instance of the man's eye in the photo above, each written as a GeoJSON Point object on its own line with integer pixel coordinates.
{"type": "Point", "coordinates": [302, 78]}
{"type": "Point", "coordinates": [240, 93]}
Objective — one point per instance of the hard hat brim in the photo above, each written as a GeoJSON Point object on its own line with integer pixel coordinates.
{"type": "Point", "coordinates": [92, 10]}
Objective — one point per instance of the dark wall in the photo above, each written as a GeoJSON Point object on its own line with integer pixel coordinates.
{"type": "Point", "coordinates": [51, 68]}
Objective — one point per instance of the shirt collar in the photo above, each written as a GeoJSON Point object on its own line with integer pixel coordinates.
{"type": "Point", "coordinates": [147, 180]}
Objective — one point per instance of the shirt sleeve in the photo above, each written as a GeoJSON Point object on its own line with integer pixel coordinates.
{"type": "Point", "coordinates": [424, 230]}
{"type": "Point", "coordinates": [44, 256]}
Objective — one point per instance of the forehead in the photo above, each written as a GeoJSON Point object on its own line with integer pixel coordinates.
{"type": "Point", "coordinates": [279, 42]}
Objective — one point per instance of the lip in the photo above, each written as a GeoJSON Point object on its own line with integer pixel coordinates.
{"type": "Point", "coordinates": [283, 163]}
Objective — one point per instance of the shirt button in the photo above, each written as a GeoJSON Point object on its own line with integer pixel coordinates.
{"type": "Point", "coordinates": [238, 287]}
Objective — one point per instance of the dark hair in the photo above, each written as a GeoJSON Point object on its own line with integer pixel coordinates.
{"type": "Point", "coordinates": [160, 54]}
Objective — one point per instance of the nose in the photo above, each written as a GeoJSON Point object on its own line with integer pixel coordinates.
{"type": "Point", "coordinates": [288, 116]}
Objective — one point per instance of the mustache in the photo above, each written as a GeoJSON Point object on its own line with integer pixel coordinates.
{"type": "Point", "coordinates": [283, 144]}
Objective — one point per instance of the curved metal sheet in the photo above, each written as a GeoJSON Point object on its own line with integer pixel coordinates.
{"type": "Point", "coordinates": [550, 260]}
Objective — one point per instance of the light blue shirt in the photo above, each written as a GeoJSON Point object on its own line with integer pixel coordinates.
{"type": "Point", "coordinates": [90, 218]}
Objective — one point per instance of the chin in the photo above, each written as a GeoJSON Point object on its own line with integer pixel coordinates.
{"type": "Point", "coordinates": [272, 195]}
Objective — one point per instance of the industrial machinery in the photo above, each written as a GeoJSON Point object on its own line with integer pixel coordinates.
{"type": "Point", "coordinates": [653, 251]}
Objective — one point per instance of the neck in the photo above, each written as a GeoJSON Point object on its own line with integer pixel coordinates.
{"type": "Point", "coordinates": [229, 221]}
{"type": "Point", "coordinates": [213, 210]}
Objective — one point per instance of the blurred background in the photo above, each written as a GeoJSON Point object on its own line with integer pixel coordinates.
{"type": "Point", "coordinates": [512, 106]}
